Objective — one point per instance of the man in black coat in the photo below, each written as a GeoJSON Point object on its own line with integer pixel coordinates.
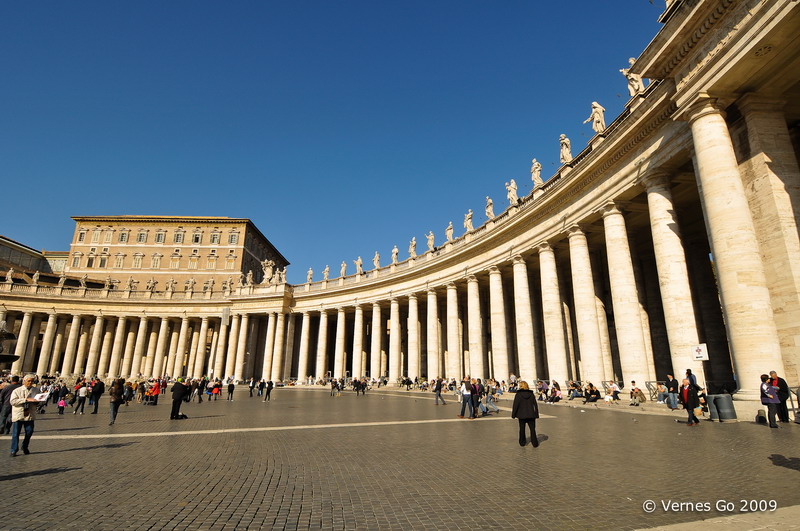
{"type": "Point", "coordinates": [179, 392]}
{"type": "Point", "coordinates": [687, 394]}
{"type": "Point", "coordinates": [5, 404]}
{"type": "Point", "coordinates": [783, 395]}
{"type": "Point", "coordinates": [98, 388]}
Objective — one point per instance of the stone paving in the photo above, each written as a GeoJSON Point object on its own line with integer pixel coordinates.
{"type": "Point", "coordinates": [389, 460]}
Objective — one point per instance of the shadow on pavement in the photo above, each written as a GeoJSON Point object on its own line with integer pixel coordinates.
{"type": "Point", "coordinates": [786, 462]}
{"type": "Point", "coordinates": [96, 447]}
{"type": "Point", "coordinates": [42, 472]}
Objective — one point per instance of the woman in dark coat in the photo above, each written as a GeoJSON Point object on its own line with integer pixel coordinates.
{"type": "Point", "coordinates": [526, 411]}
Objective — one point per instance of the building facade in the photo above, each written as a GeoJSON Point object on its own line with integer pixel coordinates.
{"type": "Point", "coordinates": [675, 227]}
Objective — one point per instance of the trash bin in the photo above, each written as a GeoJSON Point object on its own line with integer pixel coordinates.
{"type": "Point", "coordinates": [712, 408]}
{"type": "Point", "coordinates": [723, 406]}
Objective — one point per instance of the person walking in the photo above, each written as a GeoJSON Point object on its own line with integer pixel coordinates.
{"type": "Point", "coordinates": [688, 397]}
{"type": "Point", "coordinates": [268, 390]}
{"type": "Point", "coordinates": [437, 388]}
{"type": "Point", "coordinates": [116, 397]}
{"type": "Point", "coordinates": [466, 398]}
{"type": "Point", "coordinates": [81, 394]}
{"type": "Point", "coordinates": [770, 398]}
{"type": "Point", "coordinates": [231, 389]}
{"type": "Point", "coordinates": [526, 411]}
{"type": "Point", "coordinates": [23, 414]}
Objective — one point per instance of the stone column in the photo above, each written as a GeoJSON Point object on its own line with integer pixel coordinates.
{"type": "Point", "coordinates": [200, 354]}
{"type": "Point", "coordinates": [302, 355]}
{"type": "Point", "coordinates": [338, 350]}
{"type": "Point", "coordinates": [771, 178]}
{"type": "Point", "coordinates": [552, 316]}
{"type": "Point", "coordinates": [524, 318]}
{"type": "Point", "coordinates": [269, 347]}
{"type": "Point", "coordinates": [116, 351]}
{"type": "Point", "coordinates": [497, 317]}
{"type": "Point", "coordinates": [105, 351]}
{"type": "Point", "coordinates": [454, 351]}
{"type": "Point", "coordinates": [233, 339]}
{"type": "Point", "coordinates": [287, 363]}
{"type": "Point", "coordinates": [602, 319]}
{"type": "Point", "coordinates": [138, 349]}
{"type": "Point", "coordinates": [83, 347]}
{"type": "Point", "coordinates": [624, 298]}
{"type": "Point", "coordinates": [394, 342]}
{"type": "Point", "coordinates": [127, 351]}
{"type": "Point", "coordinates": [219, 355]}
{"type": "Point", "coordinates": [280, 335]}
{"type": "Point", "coordinates": [322, 346]}
{"type": "Point", "coordinates": [22, 342]}
{"type": "Point", "coordinates": [61, 331]}
{"type": "Point", "coordinates": [241, 347]}
{"type": "Point", "coordinates": [746, 304]}
{"type": "Point", "coordinates": [375, 342]}
{"type": "Point", "coordinates": [161, 349]}
{"type": "Point", "coordinates": [30, 353]}
{"type": "Point", "coordinates": [585, 308]}
{"type": "Point", "coordinates": [475, 329]}
{"type": "Point", "coordinates": [150, 353]}
{"type": "Point", "coordinates": [94, 346]}
{"type": "Point", "coordinates": [172, 349]}
{"type": "Point", "coordinates": [673, 276]}
{"type": "Point", "coordinates": [358, 342]}
{"type": "Point", "coordinates": [413, 337]}
{"type": "Point", "coordinates": [72, 344]}
{"type": "Point", "coordinates": [434, 350]}
{"type": "Point", "coordinates": [192, 354]}
{"type": "Point", "coordinates": [47, 344]}
{"type": "Point", "coordinates": [176, 353]}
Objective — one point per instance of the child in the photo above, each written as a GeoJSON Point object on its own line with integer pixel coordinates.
{"type": "Point", "coordinates": [61, 405]}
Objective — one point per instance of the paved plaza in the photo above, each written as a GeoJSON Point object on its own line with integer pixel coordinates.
{"type": "Point", "coordinates": [389, 460]}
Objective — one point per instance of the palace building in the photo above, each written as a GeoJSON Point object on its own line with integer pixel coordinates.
{"type": "Point", "coordinates": [673, 234]}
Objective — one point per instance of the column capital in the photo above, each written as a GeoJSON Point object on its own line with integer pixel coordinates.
{"type": "Point", "coordinates": [544, 247]}
{"type": "Point", "coordinates": [431, 291]}
{"type": "Point", "coordinates": [518, 259]}
{"type": "Point", "coordinates": [611, 208]}
{"type": "Point", "coordinates": [412, 296]}
{"type": "Point", "coordinates": [655, 179]}
{"type": "Point", "coordinates": [204, 319]}
{"type": "Point", "coordinates": [472, 279]}
{"type": "Point", "coordinates": [376, 305]}
{"type": "Point", "coordinates": [451, 285]}
{"type": "Point", "coordinates": [702, 105]}
{"type": "Point", "coordinates": [575, 230]}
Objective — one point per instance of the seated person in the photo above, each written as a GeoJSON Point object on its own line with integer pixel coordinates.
{"type": "Point", "coordinates": [663, 395]}
{"type": "Point", "coordinates": [591, 394]}
{"type": "Point", "coordinates": [575, 391]}
{"type": "Point", "coordinates": [555, 395]}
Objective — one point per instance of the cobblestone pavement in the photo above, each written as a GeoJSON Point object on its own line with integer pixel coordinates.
{"type": "Point", "coordinates": [387, 460]}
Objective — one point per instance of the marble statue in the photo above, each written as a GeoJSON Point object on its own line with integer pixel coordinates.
{"type": "Point", "coordinates": [151, 284]}
{"type": "Point", "coordinates": [282, 278]}
{"type": "Point", "coordinates": [107, 283]}
{"type": "Point", "coordinates": [376, 260]}
{"type": "Point", "coordinates": [208, 285]}
{"type": "Point", "coordinates": [468, 221]}
{"type": "Point", "coordinates": [230, 283]}
{"type": "Point", "coordinates": [241, 280]}
{"type": "Point", "coordinates": [9, 274]}
{"type": "Point", "coordinates": [511, 192]}
{"type": "Point", "coordinates": [171, 283]}
{"type": "Point", "coordinates": [359, 266]}
{"type": "Point", "coordinates": [635, 83]}
{"type": "Point", "coordinates": [431, 240]}
{"type": "Point", "coordinates": [62, 278]}
{"type": "Point", "coordinates": [566, 149]}
{"type": "Point", "coordinates": [35, 278]}
{"type": "Point", "coordinates": [412, 248]}
{"type": "Point", "coordinates": [189, 284]}
{"type": "Point", "coordinates": [448, 232]}
{"type": "Point", "coordinates": [597, 118]}
{"type": "Point", "coordinates": [395, 253]}
{"type": "Point", "coordinates": [489, 208]}
{"type": "Point", "coordinates": [536, 173]}
{"type": "Point", "coordinates": [81, 281]}
{"type": "Point", "coordinates": [326, 272]}
{"type": "Point", "coordinates": [343, 269]}
{"type": "Point", "coordinates": [130, 283]}
{"type": "Point", "coordinates": [249, 281]}
{"type": "Point", "coordinates": [267, 266]}
{"type": "Point", "coordinates": [309, 276]}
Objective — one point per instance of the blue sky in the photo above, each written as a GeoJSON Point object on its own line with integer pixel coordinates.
{"type": "Point", "coordinates": [339, 127]}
